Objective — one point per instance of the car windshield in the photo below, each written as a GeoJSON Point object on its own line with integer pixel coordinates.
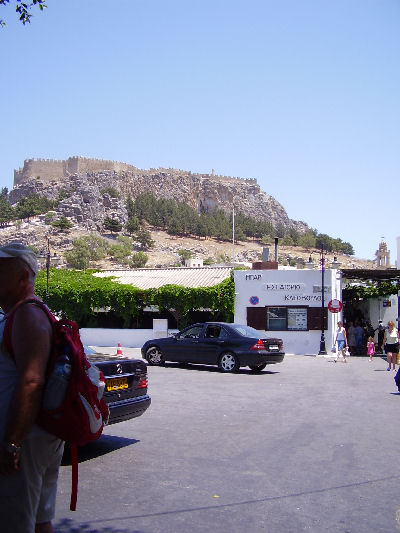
{"type": "Point", "coordinates": [246, 331]}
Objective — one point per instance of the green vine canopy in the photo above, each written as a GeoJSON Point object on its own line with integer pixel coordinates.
{"type": "Point", "coordinates": [80, 296]}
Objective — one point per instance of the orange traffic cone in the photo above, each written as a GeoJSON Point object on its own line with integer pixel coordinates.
{"type": "Point", "coordinates": [119, 350]}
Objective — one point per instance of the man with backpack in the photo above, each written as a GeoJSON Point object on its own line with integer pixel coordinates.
{"type": "Point", "coordinates": [29, 456]}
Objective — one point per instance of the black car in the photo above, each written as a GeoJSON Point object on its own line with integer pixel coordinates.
{"type": "Point", "coordinates": [126, 385]}
{"type": "Point", "coordinates": [229, 346]}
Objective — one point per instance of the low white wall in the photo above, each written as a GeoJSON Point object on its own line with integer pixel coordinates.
{"type": "Point", "coordinates": [130, 338]}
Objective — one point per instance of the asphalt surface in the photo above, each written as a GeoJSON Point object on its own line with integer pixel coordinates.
{"type": "Point", "coordinates": [305, 446]}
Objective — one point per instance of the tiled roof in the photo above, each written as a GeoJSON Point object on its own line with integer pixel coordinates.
{"type": "Point", "coordinates": [153, 278]}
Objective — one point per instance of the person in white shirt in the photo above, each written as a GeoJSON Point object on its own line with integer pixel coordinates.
{"type": "Point", "coordinates": [341, 340]}
{"type": "Point", "coordinates": [391, 343]}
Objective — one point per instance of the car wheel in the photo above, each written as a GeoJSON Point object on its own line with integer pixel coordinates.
{"type": "Point", "coordinates": [228, 362]}
{"type": "Point", "coordinates": [154, 356]}
{"type": "Point", "coordinates": [258, 368]}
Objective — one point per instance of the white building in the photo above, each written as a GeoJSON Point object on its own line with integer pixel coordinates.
{"type": "Point", "coordinates": [288, 304]}
{"type": "Point", "coordinates": [398, 253]}
{"type": "Point", "coordinates": [194, 262]}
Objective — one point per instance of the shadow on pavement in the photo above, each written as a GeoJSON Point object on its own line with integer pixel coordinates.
{"type": "Point", "coordinates": [213, 369]}
{"type": "Point", "coordinates": [105, 444]}
{"type": "Point", "coordinates": [68, 526]}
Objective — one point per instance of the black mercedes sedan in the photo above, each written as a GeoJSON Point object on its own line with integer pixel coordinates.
{"type": "Point", "coordinates": [229, 346]}
{"type": "Point", "coordinates": [126, 385]}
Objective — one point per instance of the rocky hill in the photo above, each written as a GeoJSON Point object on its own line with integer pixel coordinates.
{"type": "Point", "coordinates": [87, 201]}
{"type": "Point", "coordinates": [165, 251]}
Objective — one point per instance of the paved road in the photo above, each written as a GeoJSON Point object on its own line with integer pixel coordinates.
{"type": "Point", "coordinates": [309, 446]}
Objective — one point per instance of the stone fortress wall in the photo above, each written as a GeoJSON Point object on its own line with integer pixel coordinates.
{"type": "Point", "coordinates": [55, 169]}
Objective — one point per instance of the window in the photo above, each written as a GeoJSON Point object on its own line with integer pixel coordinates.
{"type": "Point", "coordinates": [213, 332]}
{"type": "Point", "coordinates": [289, 318]}
{"type": "Point", "coordinates": [191, 333]}
{"type": "Point", "coordinates": [276, 318]}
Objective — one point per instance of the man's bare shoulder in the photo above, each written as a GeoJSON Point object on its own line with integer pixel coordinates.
{"type": "Point", "coordinates": [31, 315]}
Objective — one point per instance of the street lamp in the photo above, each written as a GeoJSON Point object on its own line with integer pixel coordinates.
{"type": "Point", "coordinates": [322, 346]}
{"type": "Point", "coordinates": [47, 270]}
{"type": "Point", "coordinates": [233, 232]}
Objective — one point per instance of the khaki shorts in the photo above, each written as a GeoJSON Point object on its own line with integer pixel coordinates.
{"type": "Point", "coordinates": [28, 496]}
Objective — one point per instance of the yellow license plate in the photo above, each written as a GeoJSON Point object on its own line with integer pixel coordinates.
{"type": "Point", "coordinates": [117, 384]}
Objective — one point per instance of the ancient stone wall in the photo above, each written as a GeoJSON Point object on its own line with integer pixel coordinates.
{"type": "Point", "coordinates": [53, 169]}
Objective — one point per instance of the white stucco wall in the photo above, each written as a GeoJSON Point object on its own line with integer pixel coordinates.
{"type": "Point", "coordinates": [398, 253]}
{"type": "Point", "coordinates": [130, 338]}
{"type": "Point", "coordinates": [384, 308]}
{"type": "Point", "coordinates": [289, 288]}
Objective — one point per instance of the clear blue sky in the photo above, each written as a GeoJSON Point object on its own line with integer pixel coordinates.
{"type": "Point", "coordinates": [303, 95]}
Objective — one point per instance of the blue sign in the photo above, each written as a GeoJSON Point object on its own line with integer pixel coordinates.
{"type": "Point", "coordinates": [254, 300]}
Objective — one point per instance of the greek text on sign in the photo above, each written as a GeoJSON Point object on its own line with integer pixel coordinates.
{"type": "Point", "coordinates": [318, 288]}
{"type": "Point", "coordinates": [302, 298]}
{"type": "Point", "coordinates": [283, 286]}
{"type": "Point", "coordinates": [253, 277]}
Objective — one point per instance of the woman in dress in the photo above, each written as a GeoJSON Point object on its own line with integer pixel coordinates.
{"type": "Point", "coordinates": [391, 343]}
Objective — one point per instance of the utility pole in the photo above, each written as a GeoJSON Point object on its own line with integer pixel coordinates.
{"type": "Point", "coordinates": [233, 234]}
{"type": "Point", "coordinates": [47, 269]}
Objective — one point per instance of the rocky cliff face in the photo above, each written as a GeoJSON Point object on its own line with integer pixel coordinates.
{"type": "Point", "coordinates": [86, 202]}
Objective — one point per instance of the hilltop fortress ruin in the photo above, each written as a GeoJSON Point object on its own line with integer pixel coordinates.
{"type": "Point", "coordinates": [85, 183]}
{"type": "Point", "coordinates": [55, 169]}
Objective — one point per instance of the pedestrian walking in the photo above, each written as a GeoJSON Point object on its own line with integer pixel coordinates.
{"type": "Point", "coordinates": [359, 337]}
{"type": "Point", "coordinates": [351, 336]}
{"type": "Point", "coordinates": [391, 341]}
{"type": "Point", "coordinates": [370, 348]}
{"type": "Point", "coordinates": [29, 456]}
{"type": "Point", "coordinates": [381, 335]}
{"type": "Point", "coordinates": [341, 340]}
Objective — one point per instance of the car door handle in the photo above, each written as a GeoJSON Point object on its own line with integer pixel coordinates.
{"type": "Point", "coordinates": [220, 342]}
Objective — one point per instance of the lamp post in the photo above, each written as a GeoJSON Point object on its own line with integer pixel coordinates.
{"type": "Point", "coordinates": [322, 346]}
{"type": "Point", "coordinates": [47, 270]}
{"type": "Point", "coordinates": [233, 233]}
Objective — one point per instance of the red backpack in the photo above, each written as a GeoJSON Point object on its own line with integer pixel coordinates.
{"type": "Point", "coordinates": [72, 406]}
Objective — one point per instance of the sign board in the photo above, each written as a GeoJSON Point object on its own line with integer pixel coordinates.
{"type": "Point", "coordinates": [297, 318]}
{"type": "Point", "coordinates": [254, 300]}
{"type": "Point", "coordinates": [335, 306]}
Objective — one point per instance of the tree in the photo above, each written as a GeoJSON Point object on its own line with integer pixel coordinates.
{"type": "Point", "coordinates": [132, 225]}
{"type": "Point", "coordinates": [112, 225]}
{"type": "Point", "coordinates": [23, 9]}
{"type": "Point", "coordinates": [6, 209]}
{"type": "Point", "coordinates": [32, 205]}
{"type": "Point", "coordinates": [139, 260]}
{"type": "Point", "coordinates": [130, 207]}
{"type": "Point", "coordinates": [62, 223]}
{"type": "Point", "coordinates": [144, 238]}
{"type": "Point", "coordinates": [97, 245]}
{"type": "Point", "coordinates": [79, 256]}
{"type": "Point", "coordinates": [287, 240]}
{"type": "Point", "coordinates": [111, 191]}
{"type": "Point", "coordinates": [85, 249]}
{"type": "Point", "coordinates": [184, 254]}
{"type": "Point", "coordinates": [307, 240]}
{"type": "Point", "coordinates": [122, 250]}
